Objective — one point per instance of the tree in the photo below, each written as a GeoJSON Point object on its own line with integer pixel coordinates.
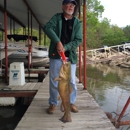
{"type": "Point", "coordinates": [100, 32]}
{"type": "Point", "coordinates": [126, 31]}
{"type": "Point", "coordinates": [94, 11]}
{"type": "Point", "coordinates": [113, 36]}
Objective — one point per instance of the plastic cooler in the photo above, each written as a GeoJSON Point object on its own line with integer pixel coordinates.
{"type": "Point", "coordinates": [17, 75]}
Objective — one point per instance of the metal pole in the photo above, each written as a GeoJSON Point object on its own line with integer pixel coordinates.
{"type": "Point", "coordinates": [31, 45]}
{"type": "Point", "coordinates": [84, 42]}
{"type": "Point", "coordinates": [0, 62]}
{"type": "Point", "coordinates": [44, 39]}
{"type": "Point", "coordinates": [80, 54]}
{"type": "Point", "coordinates": [0, 52]}
{"type": "Point", "coordinates": [124, 109]}
{"type": "Point", "coordinates": [39, 35]}
{"type": "Point", "coordinates": [13, 27]}
{"type": "Point", "coordinates": [6, 47]}
{"type": "Point", "coordinates": [124, 123]}
{"type": "Point", "coordinates": [28, 43]}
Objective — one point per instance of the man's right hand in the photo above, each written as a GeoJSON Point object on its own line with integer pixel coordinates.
{"type": "Point", "coordinates": [60, 48]}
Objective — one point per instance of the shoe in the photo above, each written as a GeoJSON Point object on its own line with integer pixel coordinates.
{"type": "Point", "coordinates": [51, 109]}
{"type": "Point", "coordinates": [74, 108]}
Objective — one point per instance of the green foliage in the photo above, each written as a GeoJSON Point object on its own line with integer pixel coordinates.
{"type": "Point", "coordinates": [94, 11]}
{"type": "Point", "coordinates": [1, 36]}
{"type": "Point", "coordinates": [95, 7]}
{"type": "Point", "coordinates": [126, 31]}
{"type": "Point", "coordinates": [100, 32]}
{"type": "Point", "coordinates": [113, 36]}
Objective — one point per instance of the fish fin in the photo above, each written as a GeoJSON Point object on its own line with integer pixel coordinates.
{"type": "Point", "coordinates": [57, 79]}
{"type": "Point", "coordinates": [65, 119]}
{"type": "Point", "coordinates": [58, 98]}
{"type": "Point", "coordinates": [71, 89]}
{"type": "Point", "coordinates": [61, 107]}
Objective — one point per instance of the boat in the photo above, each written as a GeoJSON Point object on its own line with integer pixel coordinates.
{"type": "Point", "coordinates": [37, 52]}
{"type": "Point", "coordinates": [11, 48]}
{"type": "Point", "coordinates": [18, 52]}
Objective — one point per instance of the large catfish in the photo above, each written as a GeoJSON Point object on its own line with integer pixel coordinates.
{"type": "Point", "coordinates": [65, 89]}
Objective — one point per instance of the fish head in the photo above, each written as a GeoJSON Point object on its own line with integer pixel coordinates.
{"type": "Point", "coordinates": [65, 70]}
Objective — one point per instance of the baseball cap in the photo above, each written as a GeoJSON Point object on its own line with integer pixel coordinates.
{"type": "Point", "coordinates": [69, 1]}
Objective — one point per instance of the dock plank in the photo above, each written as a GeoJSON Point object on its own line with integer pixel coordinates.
{"type": "Point", "coordinates": [14, 87]}
{"type": "Point", "coordinates": [89, 117]}
{"type": "Point", "coordinates": [31, 86]}
{"type": "Point", "coordinates": [20, 87]}
{"type": "Point", "coordinates": [25, 86]}
{"type": "Point", "coordinates": [37, 86]}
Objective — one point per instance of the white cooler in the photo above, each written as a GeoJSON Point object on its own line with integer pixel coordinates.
{"type": "Point", "coordinates": [16, 74]}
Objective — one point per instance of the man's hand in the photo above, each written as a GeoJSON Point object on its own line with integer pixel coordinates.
{"type": "Point", "coordinates": [60, 48]}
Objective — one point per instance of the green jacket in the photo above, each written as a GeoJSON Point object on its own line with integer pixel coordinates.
{"type": "Point", "coordinates": [53, 30]}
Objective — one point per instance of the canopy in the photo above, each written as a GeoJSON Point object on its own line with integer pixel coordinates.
{"type": "Point", "coordinates": [41, 10]}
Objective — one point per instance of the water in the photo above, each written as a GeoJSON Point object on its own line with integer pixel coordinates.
{"type": "Point", "coordinates": [11, 115]}
{"type": "Point", "coordinates": [110, 87]}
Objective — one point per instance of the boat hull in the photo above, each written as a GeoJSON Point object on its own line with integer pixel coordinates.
{"type": "Point", "coordinates": [36, 62]}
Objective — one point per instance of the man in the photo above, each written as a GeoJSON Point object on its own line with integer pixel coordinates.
{"type": "Point", "coordinates": [65, 33]}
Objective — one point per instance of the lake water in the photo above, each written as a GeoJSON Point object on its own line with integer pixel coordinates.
{"type": "Point", "coordinates": [11, 115]}
{"type": "Point", "coordinates": [110, 87]}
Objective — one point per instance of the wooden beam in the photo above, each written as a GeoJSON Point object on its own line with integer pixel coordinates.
{"type": "Point", "coordinates": [32, 13]}
{"type": "Point", "coordinates": [17, 93]}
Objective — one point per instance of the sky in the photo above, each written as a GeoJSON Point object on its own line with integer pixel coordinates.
{"type": "Point", "coordinates": [118, 11]}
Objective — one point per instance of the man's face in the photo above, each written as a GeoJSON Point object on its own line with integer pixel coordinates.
{"type": "Point", "coordinates": [68, 8]}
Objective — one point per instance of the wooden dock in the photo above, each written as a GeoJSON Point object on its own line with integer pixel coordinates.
{"type": "Point", "coordinates": [27, 90]}
{"type": "Point", "coordinates": [89, 117]}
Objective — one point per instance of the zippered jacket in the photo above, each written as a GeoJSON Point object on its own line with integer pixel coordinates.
{"type": "Point", "coordinates": [53, 30]}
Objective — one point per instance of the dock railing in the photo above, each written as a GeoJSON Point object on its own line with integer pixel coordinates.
{"type": "Point", "coordinates": [106, 52]}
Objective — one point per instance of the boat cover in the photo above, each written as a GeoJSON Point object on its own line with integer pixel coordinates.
{"type": "Point", "coordinates": [21, 37]}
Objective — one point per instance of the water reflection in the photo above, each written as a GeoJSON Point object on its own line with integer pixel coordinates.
{"type": "Point", "coordinates": [110, 87]}
{"type": "Point", "coordinates": [11, 115]}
